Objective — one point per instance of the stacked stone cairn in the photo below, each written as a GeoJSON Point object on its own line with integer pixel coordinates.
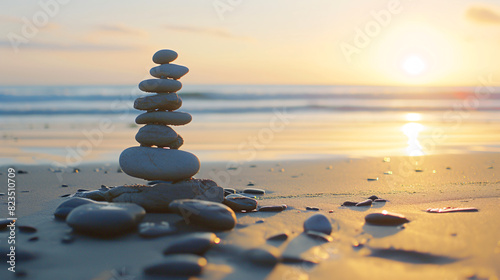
{"type": "Point", "coordinates": [158, 157]}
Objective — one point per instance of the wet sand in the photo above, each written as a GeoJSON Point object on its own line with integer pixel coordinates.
{"type": "Point", "coordinates": [430, 246]}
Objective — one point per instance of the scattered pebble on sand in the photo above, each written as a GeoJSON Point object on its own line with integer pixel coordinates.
{"type": "Point", "coordinates": [254, 191]}
{"type": "Point", "coordinates": [349, 203]}
{"type": "Point", "coordinates": [388, 173]}
{"type": "Point", "coordinates": [372, 179]}
{"type": "Point", "coordinates": [20, 171]}
{"type": "Point", "coordinates": [33, 239]}
{"type": "Point", "coordinates": [367, 202]}
{"type": "Point", "coordinates": [312, 208]}
{"type": "Point", "coordinates": [193, 243]}
{"type": "Point", "coordinates": [386, 219]}
{"type": "Point", "coordinates": [105, 219]}
{"type": "Point", "coordinates": [240, 203]}
{"type": "Point", "coordinates": [208, 214]}
{"type": "Point", "coordinates": [373, 197]}
{"type": "Point", "coordinates": [278, 237]}
{"type": "Point", "coordinates": [318, 223]}
{"type": "Point", "coordinates": [274, 208]}
{"type": "Point", "coordinates": [64, 186]}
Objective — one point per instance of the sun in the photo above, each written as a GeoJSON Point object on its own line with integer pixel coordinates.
{"type": "Point", "coordinates": [414, 65]}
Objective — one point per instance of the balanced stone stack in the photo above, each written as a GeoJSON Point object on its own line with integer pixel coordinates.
{"type": "Point", "coordinates": [158, 157]}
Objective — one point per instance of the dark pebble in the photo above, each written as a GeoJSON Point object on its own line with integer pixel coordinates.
{"type": "Point", "coordinates": [4, 223]}
{"type": "Point", "coordinates": [349, 203]}
{"type": "Point", "coordinates": [2, 194]}
{"type": "Point", "coordinates": [278, 237]}
{"type": "Point", "coordinates": [276, 208]}
{"type": "Point", "coordinates": [64, 208]}
{"type": "Point", "coordinates": [208, 214]}
{"type": "Point", "coordinates": [367, 202]}
{"type": "Point", "coordinates": [386, 219]}
{"type": "Point", "coordinates": [240, 203]}
{"type": "Point", "coordinates": [250, 184]}
{"type": "Point", "coordinates": [105, 219]}
{"type": "Point", "coordinates": [82, 190]}
{"type": "Point", "coordinates": [26, 229]}
{"type": "Point", "coordinates": [34, 238]}
{"type": "Point", "coordinates": [419, 170]}
{"type": "Point", "coordinates": [380, 200]}
{"type": "Point", "coordinates": [373, 197]}
{"type": "Point", "coordinates": [22, 172]}
{"type": "Point", "coordinates": [318, 223]}
{"type": "Point", "coordinates": [25, 191]}
{"type": "Point", "coordinates": [65, 195]}
{"type": "Point", "coordinates": [312, 208]}
{"type": "Point", "coordinates": [253, 166]}
{"type": "Point", "coordinates": [254, 191]}
{"type": "Point", "coordinates": [178, 265]}
{"type": "Point", "coordinates": [260, 221]}
{"type": "Point", "coordinates": [64, 186]}
{"type": "Point", "coordinates": [194, 243]}
{"type": "Point", "coordinates": [372, 179]}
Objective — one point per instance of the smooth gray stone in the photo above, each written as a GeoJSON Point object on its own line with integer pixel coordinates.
{"type": "Point", "coordinates": [367, 202]}
{"type": "Point", "coordinates": [159, 164]}
{"type": "Point", "coordinates": [240, 202]}
{"type": "Point", "coordinates": [278, 237]}
{"type": "Point", "coordinates": [273, 208]}
{"type": "Point", "coordinates": [162, 101]}
{"type": "Point", "coordinates": [156, 198]}
{"type": "Point", "coordinates": [160, 85]}
{"type": "Point", "coordinates": [194, 243]}
{"type": "Point", "coordinates": [266, 255]}
{"type": "Point", "coordinates": [156, 135]}
{"type": "Point", "coordinates": [254, 191]}
{"type": "Point", "coordinates": [164, 56]}
{"type": "Point", "coordinates": [151, 230]}
{"type": "Point", "coordinates": [165, 118]}
{"type": "Point", "coordinates": [386, 219]}
{"type": "Point", "coordinates": [173, 71]}
{"type": "Point", "coordinates": [178, 265]}
{"type": "Point", "coordinates": [211, 215]}
{"type": "Point", "coordinates": [319, 223]}
{"type": "Point", "coordinates": [106, 219]}
{"type": "Point", "coordinates": [67, 206]}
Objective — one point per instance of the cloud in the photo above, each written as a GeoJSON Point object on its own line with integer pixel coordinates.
{"type": "Point", "coordinates": [482, 14]}
{"type": "Point", "coordinates": [68, 47]}
{"type": "Point", "coordinates": [22, 21]}
{"type": "Point", "coordinates": [119, 28]}
{"type": "Point", "coordinates": [217, 32]}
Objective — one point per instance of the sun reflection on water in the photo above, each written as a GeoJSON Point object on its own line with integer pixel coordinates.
{"type": "Point", "coordinates": [412, 129]}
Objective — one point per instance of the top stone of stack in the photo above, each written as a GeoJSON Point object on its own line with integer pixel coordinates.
{"type": "Point", "coordinates": [164, 56]}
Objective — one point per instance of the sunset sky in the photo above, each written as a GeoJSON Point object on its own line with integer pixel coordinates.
{"type": "Point", "coordinates": [405, 42]}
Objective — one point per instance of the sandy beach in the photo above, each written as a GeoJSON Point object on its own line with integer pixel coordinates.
{"type": "Point", "coordinates": [431, 246]}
